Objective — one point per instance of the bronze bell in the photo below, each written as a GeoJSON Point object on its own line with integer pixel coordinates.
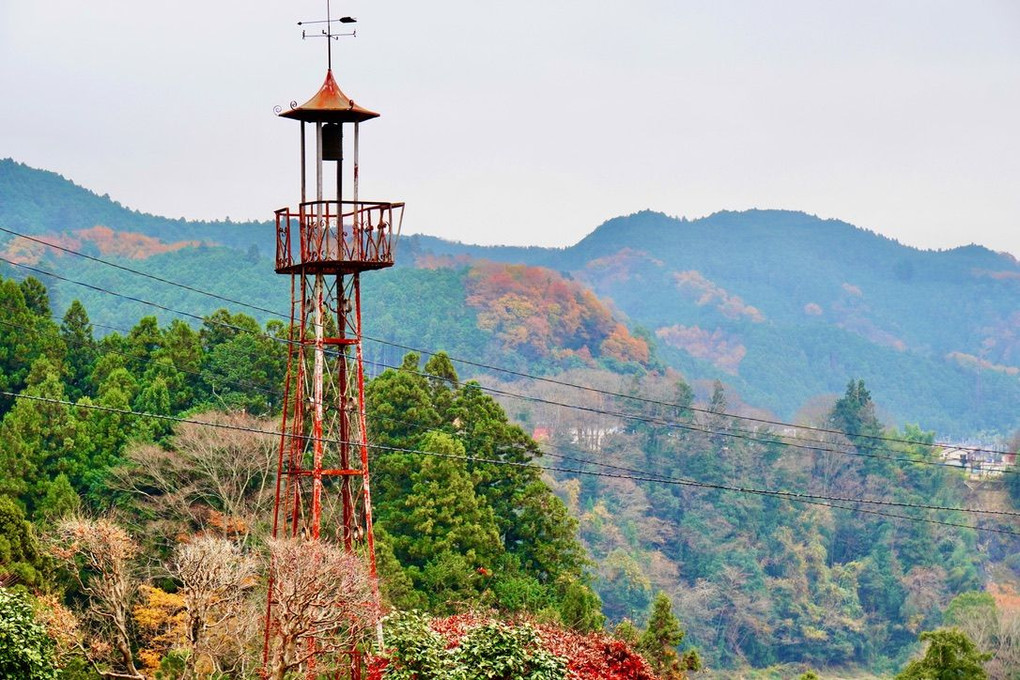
{"type": "Point", "coordinates": [332, 142]}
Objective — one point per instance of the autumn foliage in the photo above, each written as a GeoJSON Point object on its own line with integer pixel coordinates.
{"type": "Point", "coordinates": [596, 655]}
{"type": "Point", "coordinates": [724, 350]}
{"type": "Point", "coordinates": [109, 242]}
{"type": "Point", "coordinates": [620, 266]}
{"type": "Point", "coordinates": [694, 285]}
{"type": "Point", "coordinates": [540, 313]}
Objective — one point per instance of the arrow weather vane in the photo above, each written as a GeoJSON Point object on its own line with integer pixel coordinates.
{"type": "Point", "coordinates": [328, 33]}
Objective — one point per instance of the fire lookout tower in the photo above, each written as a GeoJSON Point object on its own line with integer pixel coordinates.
{"type": "Point", "coordinates": [324, 245]}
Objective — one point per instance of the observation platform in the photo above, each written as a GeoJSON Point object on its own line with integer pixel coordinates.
{"type": "Point", "coordinates": [330, 237]}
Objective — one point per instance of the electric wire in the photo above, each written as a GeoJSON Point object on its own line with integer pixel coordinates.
{"type": "Point", "coordinates": [730, 432]}
{"type": "Point", "coordinates": [682, 407]}
{"type": "Point", "coordinates": [666, 479]}
{"type": "Point", "coordinates": [137, 272]}
{"type": "Point", "coordinates": [660, 478]}
{"type": "Point", "coordinates": [204, 319]}
{"type": "Point", "coordinates": [138, 357]}
{"type": "Point", "coordinates": [274, 393]}
{"type": "Point", "coordinates": [638, 475]}
{"type": "Point", "coordinates": [278, 315]}
{"type": "Point", "coordinates": [788, 495]}
{"type": "Point", "coordinates": [734, 433]}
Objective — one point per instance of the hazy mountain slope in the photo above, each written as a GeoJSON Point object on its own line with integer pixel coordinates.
{"type": "Point", "coordinates": [779, 305]}
{"type": "Point", "coordinates": [784, 306]}
{"type": "Point", "coordinates": [41, 202]}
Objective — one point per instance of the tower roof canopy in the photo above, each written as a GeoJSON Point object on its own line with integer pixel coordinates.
{"type": "Point", "coordinates": [330, 105]}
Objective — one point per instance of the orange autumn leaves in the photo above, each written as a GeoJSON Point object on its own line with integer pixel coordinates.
{"type": "Point", "coordinates": [539, 313]}
{"type": "Point", "coordinates": [109, 242]}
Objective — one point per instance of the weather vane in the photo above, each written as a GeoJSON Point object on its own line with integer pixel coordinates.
{"type": "Point", "coordinates": [328, 33]}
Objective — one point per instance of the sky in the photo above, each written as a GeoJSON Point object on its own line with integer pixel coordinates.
{"type": "Point", "coordinates": [532, 122]}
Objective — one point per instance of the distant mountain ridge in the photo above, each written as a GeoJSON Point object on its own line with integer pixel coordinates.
{"type": "Point", "coordinates": [34, 201]}
{"type": "Point", "coordinates": [779, 305]}
{"type": "Point", "coordinates": [783, 306]}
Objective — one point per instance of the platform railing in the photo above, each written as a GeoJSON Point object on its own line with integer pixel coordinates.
{"type": "Point", "coordinates": [353, 235]}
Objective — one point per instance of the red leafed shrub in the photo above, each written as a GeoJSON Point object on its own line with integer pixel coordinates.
{"type": "Point", "coordinates": [376, 668]}
{"type": "Point", "coordinates": [589, 656]}
{"type": "Point", "coordinates": [453, 628]}
{"type": "Point", "coordinates": [596, 655]}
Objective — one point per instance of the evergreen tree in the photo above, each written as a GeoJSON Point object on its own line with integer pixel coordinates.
{"type": "Point", "coordinates": [154, 398]}
{"type": "Point", "coordinates": [37, 298]}
{"type": "Point", "coordinates": [142, 342]}
{"type": "Point", "coordinates": [105, 431]}
{"type": "Point", "coordinates": [179, 362]}
{"type": "Point", "coordinates": [24, 337]}
{"type": "Point", "coordinates": [442, 377]}
{"type": "Point", "coordinates": [59, 501]}
{"type": "Point", "coordinates": [581, 608]}
{"type": "Point", "coordinates": [21, 560]}
{"type": "Point", "coordinates": [534, 554]}
{"type": "Point", "coordinates": [534, 523]}
{"type": "Point", "coordinates": [445, 535]}
{"type": "Point", "coordinates": [400, 412]}
{"type": "Point", "coordinates": [879, 583]}
{"type": "Point", "coordinates": [221, 326]}
{"type": "Point", "coordinates": [112, 356]}
{"type": "Point", "coordinates": [950, 654]}
{"type": "Point", "coordinates": [442, 513]}
{"type": "Point", "coordinates": [38, 439]}
{"type": "Point", "coordinates": [80, 358]}
{"type": "Point", "coordinates": [854, 414]}
{"type": "Point", "coordinates": [660, 642]}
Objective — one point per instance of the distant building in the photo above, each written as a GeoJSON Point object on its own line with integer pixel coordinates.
{"type": "Point", "coordinates": [979, 460]}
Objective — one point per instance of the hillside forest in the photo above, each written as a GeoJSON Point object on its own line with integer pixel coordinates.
{"type": "Point", "coordinates": [565, 479]}
{"type": "Point", "coordinates": [757, 580]}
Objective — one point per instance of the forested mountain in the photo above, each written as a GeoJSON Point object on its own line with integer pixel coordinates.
{"type": "Point", "coordinates": [780, 306]}
{"type": "Point", "coordinates": [39, 202]}
{"type": "Point", "coordinates": [783, 306]}
{"type": "Point", "coordinates": [639, 354]}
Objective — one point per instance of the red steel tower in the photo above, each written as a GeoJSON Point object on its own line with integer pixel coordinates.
{"type": "Point", "coordinates": [324, 245]}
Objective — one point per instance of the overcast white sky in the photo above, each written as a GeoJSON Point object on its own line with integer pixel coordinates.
{"type": "Point", "coordinates": [531, 122]}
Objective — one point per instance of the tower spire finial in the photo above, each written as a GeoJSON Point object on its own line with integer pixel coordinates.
{"type": "Point", "coordinates": [328, 33]}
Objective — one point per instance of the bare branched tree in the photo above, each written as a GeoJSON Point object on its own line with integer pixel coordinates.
{"type": "Point", "coordinates": [213, 479]}
{"type": "Point", "coordinates": [215, 580]}
{"type": "Point", "coordinates": [321, 606]}
{"type": "Point", "coordinates": [100, 556]}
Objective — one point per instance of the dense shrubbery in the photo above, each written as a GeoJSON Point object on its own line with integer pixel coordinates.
{"type": "Point", "coordinates": [470, 646]}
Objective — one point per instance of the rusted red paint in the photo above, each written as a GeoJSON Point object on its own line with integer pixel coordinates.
{"type": "Point", "coordinates": [330, 105]}
{"type": "Point", "coordinates": [325, 245]}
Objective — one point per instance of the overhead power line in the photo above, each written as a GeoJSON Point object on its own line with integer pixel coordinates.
{"type": "Point", "coordinates": [554, 381]}
{"type": "Point", "coordinates": [139, 357]}
{"type": "Point", "coordinates": [138, 272]}
{"type": "Point", "coordinates": [274, 393]}
{"type": "Point", "coordinates": [730, 432]}
{"type": "Point", "coordinates": [204, 319]}
{"type": "Point", "coordinates": [667, 479]}
{"type": "Point", "coordinates": [681, 407]}
{"type": "Point", "coordinates": [735, 433]}
{"type": "Point", "coordinates": [787, 495]}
